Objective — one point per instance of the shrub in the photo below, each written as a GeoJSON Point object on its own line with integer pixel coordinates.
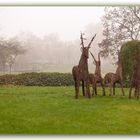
{"type": "Point", "coordinates": [8, 79]}
{"type": "Point", "coordinates": [128, 50]}
{"type": "Point", "coordinates": [38, 79]}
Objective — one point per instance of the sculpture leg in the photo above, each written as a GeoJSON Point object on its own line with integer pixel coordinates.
{"type": "Point", "coordinates": [83, 88]}
{"type": "Point", "coordinates": [130, 90]}
{"type": "Point", "coordinates": [103, 87]}
{"type": "Point", "coordinates": [122, 88]}
{"type": "Point", "coordinates": [95, 89]}
{"type": "Point", "coordinates": [77, 84]}
{"type": "Point", "coordinates": [137, 92]}
{"type": "Point", "coordinates": [87, 89]}
{"type": "Point", "coordinates": [110, 89]}
{"type": "Point", "coordinates": [114, 89]}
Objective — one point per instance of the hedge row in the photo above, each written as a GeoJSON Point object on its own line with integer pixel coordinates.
{"type": "Point", "coordinates": [37, 79]}
{"type": "Point", "coordinates": [40, 79]}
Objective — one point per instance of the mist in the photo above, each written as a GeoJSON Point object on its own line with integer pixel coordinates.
{"type": "Point", "coordinates": [51, 36]}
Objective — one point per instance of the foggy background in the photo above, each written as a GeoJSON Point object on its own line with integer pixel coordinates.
{"type": "Point", "coordinates": [51, 36]}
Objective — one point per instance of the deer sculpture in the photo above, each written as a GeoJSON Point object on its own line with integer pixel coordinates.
{"type": "Point", "coordinates": [135, 79]}
{"type": "Point", "coordinates": [80, 72]}
{"type": "Point", "coordinates": [96, 77]}
{"type": "Point", "coordinates": [113, 78]}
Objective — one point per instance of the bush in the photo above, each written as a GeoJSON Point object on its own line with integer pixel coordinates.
{"type": "Point", "coordinates": [128, 51]}
{"type": "Point", "coordinates": [38, 79]}
{"type": "Point", "coordinates": [8, 79]}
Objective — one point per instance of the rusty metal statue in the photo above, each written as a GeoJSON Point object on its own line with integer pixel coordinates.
{"type": "Point", "coordinates": [80, 72]}
{"type": "Point", "coordinates": [96, 77]}
{"type": "Point", "coordinates": [135, 78]}
{"type": "Point", "coordinates": [113, 78]}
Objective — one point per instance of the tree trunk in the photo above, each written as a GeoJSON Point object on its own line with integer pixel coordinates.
{"type": "Point", "coordinates": [10, 69]}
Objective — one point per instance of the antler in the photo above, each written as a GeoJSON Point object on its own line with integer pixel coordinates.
{"type": "Point", "coordinates": [93, 57]}
{"type": "Point", "coordinates": [91, 40]}
{"type": "Point", "coordinates": [99, 55]}
{"type": "Point", "coordinates": [82, 39]}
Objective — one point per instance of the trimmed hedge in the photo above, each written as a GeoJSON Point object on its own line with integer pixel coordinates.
{"type": "Point", "coordinates": [41, 79]}
{"type": "Point", "coordinates": [37, 79]}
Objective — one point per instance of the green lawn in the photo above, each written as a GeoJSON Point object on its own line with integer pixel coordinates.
{"type": "Point", "coordinates": [53, 110]}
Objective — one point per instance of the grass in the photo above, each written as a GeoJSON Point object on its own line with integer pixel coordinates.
{"type": "Point", "coordinates": [53, 110]}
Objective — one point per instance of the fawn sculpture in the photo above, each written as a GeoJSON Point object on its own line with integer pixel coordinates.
{"type": "Point", "coordinates": [113, 78]}
{"type": "Point", "coordinates": [135, 79]}
{"type": "Point", "coordinates": [96, 77]}
{"type": "Point", "coordinates": [80, 72]}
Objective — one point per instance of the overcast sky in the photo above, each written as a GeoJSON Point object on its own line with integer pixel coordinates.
{"type": "Point", "coordinates": [66, 21]}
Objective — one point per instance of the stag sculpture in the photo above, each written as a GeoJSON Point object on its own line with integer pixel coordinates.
{"type": "Point", "coordinates": [96, 77]}
{"type": "Point", "coordinates": [113, 78]}
{"type": "Point", "coordinates": [135, 79]}
{"type": "Point", "coordinates": [80, 72]}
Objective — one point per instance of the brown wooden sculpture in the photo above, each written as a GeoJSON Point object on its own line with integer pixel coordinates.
{"type": "Point", "coordinates": [80, 72]}
{"type": "Point", "coordinates": [113, 78]}
{"type": "Point", "coordinates": [135, 79]}
{"type": "Point", "coordinates": [96, 77]}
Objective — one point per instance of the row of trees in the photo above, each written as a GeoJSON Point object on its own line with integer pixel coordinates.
{"type": "Point", "coordinates": [48, 49]}
{"type": "Point", "coordinates": [36, 54]}
{"type": "Point", "coordinates": [9, 50]}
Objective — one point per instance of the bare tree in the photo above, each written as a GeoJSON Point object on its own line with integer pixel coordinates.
{"type": "Point", "coordinates": [14, 49]}
{"type": "Point", "coordinates": [120, 24]}
{"type": "Point", "coordinates": [3, 54]}
{"type": "Point", "coordinates": [9, 50]}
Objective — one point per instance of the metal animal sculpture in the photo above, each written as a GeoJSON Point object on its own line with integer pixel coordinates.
{"type": "Point", "coordinates": [96, 77]}
{"type": "Point", "coordinates": [113, 78]}
{"type": "Point", "coordinates": [80, 72]}
{"type": "Point", "coordinates": [135, 79]}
